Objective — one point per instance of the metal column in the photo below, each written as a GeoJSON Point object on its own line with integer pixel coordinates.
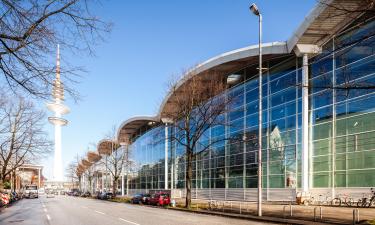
{"type": "Point", "coordinates": [305, 124]}
{"type": "Point", "coordinates": [122, 185]}
{"type": "Point", "coordinates": [166, 158]}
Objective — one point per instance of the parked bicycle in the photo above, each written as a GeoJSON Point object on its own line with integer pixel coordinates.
{"type": "Point", "coordinates": [367, 202]}
{"type": "Point", "coordinates": [342, 200]}
{"type": "Point", "coordinates": [321, 200]}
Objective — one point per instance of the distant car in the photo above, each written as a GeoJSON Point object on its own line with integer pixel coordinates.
{"type": "Point", "coordinates": [137, 199]}
{"type": "Point", "coordinates": [50, 194]}
{"type": "Point", "coordinates": [31, 191]}
{"type": "Point", "coordinates": [106, 196]}
{"type": "Point", "coordinates": [160, 199]}
{"type": "Point", "coordinates": [141, 199]}
{"type": "Point", "coordinates": [41, 191]}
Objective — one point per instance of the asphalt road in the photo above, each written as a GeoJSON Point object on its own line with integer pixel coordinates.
{"type": "Point", "coordinates": [65, 210]}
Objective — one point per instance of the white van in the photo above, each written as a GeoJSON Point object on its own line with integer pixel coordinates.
{"type": "Point", "coordinates": [31, 191]}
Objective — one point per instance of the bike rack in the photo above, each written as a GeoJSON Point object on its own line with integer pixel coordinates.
{"type": "Point", "coordinates": [290, 210]}
{"type": "Point", "coordinates": [355, 216]}
{"type": "Point", "coordinates": [320, 213]}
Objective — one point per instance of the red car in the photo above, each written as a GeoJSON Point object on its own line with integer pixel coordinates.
{"type": "Point", "coordinates": [160, 199]}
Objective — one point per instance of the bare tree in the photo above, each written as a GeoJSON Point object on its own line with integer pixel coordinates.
{"type": "Point", "coordinates": [117, 161]}
{"type": "Point", "coordinates": [197, 107]}
{"type": "Point", "coordinates": [22, 139]}
{"type": "Point", "coordinates": [71, 173]}
{"type": "Point", "coordinates": [29, 33]}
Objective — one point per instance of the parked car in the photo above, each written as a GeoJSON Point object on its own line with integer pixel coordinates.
{"type": "Point", "coordinates": [31, 191]}
{"type": "Point", "coordinates": [41, 191]}
{"type": "Point", "coordinates": [160, 199]}
{"type": "Point", "coordinates": [50, 194]}
{"type": "Point", "coordinates": [141, 199]}
{"type": "Point", "coordinates": [106, 195]}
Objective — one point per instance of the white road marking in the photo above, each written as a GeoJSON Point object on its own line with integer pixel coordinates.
{"type": "Point", "coordinates": [99, 212]}
{"type": "Point", "coordinates": [45, 210]}
{"type": "Point", "coordinates": [48, 218]}
{"type": "Point", "coordinates": [128, 221]}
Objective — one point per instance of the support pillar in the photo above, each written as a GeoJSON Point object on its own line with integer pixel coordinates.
{"type": "Point", "coordinates": [127, 185]}
{"type": "Point", "coordinates": [122, 186]}
{"type": "Point", "coordinates": [304, 51]}
{"type": "Point", "coordinates": [166, 158]}
{"type": "Point", "coordinates": [305, 124]}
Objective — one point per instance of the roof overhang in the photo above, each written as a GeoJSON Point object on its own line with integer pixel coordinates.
{"type": "Point", "coordinates": [222, 65]}
{"type": "Point", "coordinates": [327, 18]}
{"type": "Point", "coordinates": [106, 146]}
{"type": "Point", "coordinates": [130, 127]}
{"type": "Point", "coordinates": [93, 157]}
{"type": "Point", "coordinates": [86, 163]}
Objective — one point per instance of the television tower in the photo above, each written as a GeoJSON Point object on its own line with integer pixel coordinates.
{"type": "Point", "coordinates": [59, 109]}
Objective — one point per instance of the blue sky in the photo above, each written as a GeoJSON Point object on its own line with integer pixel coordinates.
{"type": "Point", "coordinates": [150, 42]}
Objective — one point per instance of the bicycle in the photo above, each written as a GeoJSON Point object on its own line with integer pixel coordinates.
{"type": "Point", "coordinates": [342, 199]}
{"type": "Point", "coordinates": [372, 199]}
{"type": "Point", "coordinates": [321, 200]}
{"type": "Point", "coordinates": [365, 201]}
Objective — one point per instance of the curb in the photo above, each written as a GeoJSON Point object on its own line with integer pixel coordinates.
{"type": "Point", "coordinates": [256, 218]}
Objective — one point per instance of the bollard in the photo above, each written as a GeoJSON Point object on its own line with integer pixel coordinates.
{"type": "Point", "coordinates": [320, 213]}
{"type": "Point", "coordinates": [315, 213]}
{"type": "Point", "coordinates": [355, 216]}
{"type": "Point", "coordinates": [240, 208]}
{"type": "Point", "coordinates": [291, 210]}
{"type": "Point", "coordinates": [231, 206]}
{"type": "Point", "coordinates": [223, 206]}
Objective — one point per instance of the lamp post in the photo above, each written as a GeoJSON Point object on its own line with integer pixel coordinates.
{"type": "Point", "coordinates": [254, 9]}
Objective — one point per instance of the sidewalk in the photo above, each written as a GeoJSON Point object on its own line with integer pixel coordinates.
{"type": "Point", "coordinates": [281, 212]}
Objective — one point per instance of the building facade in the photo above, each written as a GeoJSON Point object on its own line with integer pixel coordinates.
{"type": "Point", "coordinates": [318, 119]}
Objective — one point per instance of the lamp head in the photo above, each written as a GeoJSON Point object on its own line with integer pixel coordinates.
{"type": "Point", "coordinates": [254, 9]}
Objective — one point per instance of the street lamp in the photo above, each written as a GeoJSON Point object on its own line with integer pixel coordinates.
{"type": "Point", "coordinates": [254, 9]}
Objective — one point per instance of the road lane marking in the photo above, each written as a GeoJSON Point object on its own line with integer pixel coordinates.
{"type": "Point", "coordinates": [99, 212]}
{"type": "Point", "coordinates": [128, 221]}
{"type": "Point", "coordinates": [45, 210]}
{"type": "Point", "coordinates": [48, 217]}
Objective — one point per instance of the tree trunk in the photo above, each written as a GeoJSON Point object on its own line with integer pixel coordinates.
{"type": "Point", "coordinates": [114, 186]}
{"type": "Point", "coordinates": [14, 181]}
{"type": "Point", "coordinates": [189, 175]}
{"type": "Point", "coordinates": [79, 183]}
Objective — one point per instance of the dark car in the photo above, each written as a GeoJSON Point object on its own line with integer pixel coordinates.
{"type": "Point", "coordinates": [106, 196]}
{"type": "Point", "coordinates": [141, 199]}
{"type": "Point", "coordinates": [160, 199]}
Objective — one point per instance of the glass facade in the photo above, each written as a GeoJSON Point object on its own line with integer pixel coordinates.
{"type": "Point", "coordinates": [341, 126]}
{"type": "Point", "coordinates": [148, 156]}
{"type": "Point", "coordinates": [342, 118]}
